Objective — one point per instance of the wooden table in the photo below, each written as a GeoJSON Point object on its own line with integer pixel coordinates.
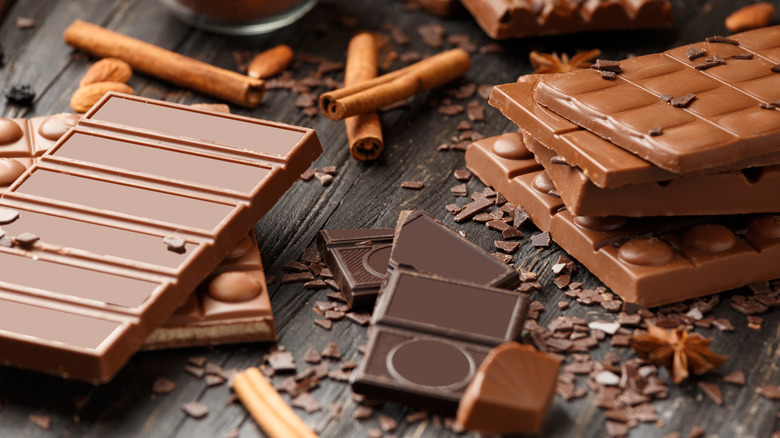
{"type": "Point", "coordinates": [362, 195]}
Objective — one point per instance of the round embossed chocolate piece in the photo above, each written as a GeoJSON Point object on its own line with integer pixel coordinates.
{"type": "Point", "coordinates": [709, 238]}
{"type": "Point", "coordinates": [10, 171]}
{"type": "Point", "coordinates": [766, 226]}
{"type": "Point", "coordinates": [543, 183]}
{"type": "Point", "coordinates": [430, 363]}
{"type": "Point", "coordinates": [55, 126]}
{"type": "Point", "coordinates": [376, 261]}
{"type": "Point", "coordinates": [236, 286]}
{"type": "Point", "coordinates": [597, 223]}
{"type": "Point", "coordinates": [646, 251]}
{"type": "Point", "coordinates": [244, 246]}
{"type": "Point", "coordinates": [10, 132]}
{"type": "Point", "coordinates": [511, 146]}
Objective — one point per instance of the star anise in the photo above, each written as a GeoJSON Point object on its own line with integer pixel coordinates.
{"type": "Point", "coordinates": [551, 63]}
{"type": "Point", "coordinates": [677, 350]}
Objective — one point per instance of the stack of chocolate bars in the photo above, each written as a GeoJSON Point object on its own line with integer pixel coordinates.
{"type": "Point", "coordinates": [659, 173]}
{"type": "Point", "coordinates": [113, 227]}
{"type": "Point", "coordinates": [444, 305]}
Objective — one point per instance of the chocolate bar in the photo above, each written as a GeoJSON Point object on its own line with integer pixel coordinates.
{"type": "Point", "coordinates": [231, 306]}
{"type": "Point", "coordinates": [750, 191]}
{"type": "Point", "coordinates": [652, 261]}
{"type": "Point", "coordinates": [430, 334]}
{"type": "Point", "coordinates": [502, 19]}
{"type": "Point", "coordinates": [656, 192]}
{"type": "Point", "coordinates": [358, 261]}
{"type": "Point", "coordinates": [425, 244]}
{"type": "Point", "coordinates": [114, 228]}
{"type": "Point", "coordinates": [683, 112]}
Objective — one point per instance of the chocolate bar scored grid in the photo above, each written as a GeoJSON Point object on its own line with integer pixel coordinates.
{"type": "Point", "coordinates": [100, 275]}
{"type": "Point", "coordinates": [728, 121]}
{"type": "Point", "coordinates": [652, 261]}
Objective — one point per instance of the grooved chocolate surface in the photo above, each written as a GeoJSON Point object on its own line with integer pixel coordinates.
{"type": "Point", "coordinates": [644, 260]}
{"type": "Point", "coordinates": [724, 124]}
{"type": "Point", "coordinates": [520, 18]}
{"type": "Point", "coordinates": [99, 253]}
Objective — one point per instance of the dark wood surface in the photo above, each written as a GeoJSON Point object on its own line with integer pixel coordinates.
{"type": "Point", "coordinates": [362, 195]}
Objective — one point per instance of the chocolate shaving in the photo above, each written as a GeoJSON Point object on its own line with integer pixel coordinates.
{"type": "Point", "coordinates": [323, 178]}
{"type": "Point", "coordinates": [281, 361]}
{"type": "Point", "coordinates": [605, 65]}
{"type": "Point", "coordinates": [459, 190]}
{"type": "Point", "coordinates": [414, 185]}
{"type": "Point", "coordinates": [324, 323]}
{"type": "Point", "coordinates": [331, 351]}
{"type": "Point", "coordinates": [362, 412]}
{"type": "Point", "coordinates": [683, 101]}
{"type": "Point", "coordinates": [667, 98]}
{"type": "Point", "coordinates": [712, 391]}
{"type": "Point", "coordinates": [541, 239]}
{"type": "Point", "coordinates": [360, 318]}
{"type": "Point", "coordinates": [721, 39]}
{"type": "Point", "coordinates": [195, 409]}
{"type": "Point", "coordinates": [27, 239]}
{"type": "Point", "coordinates": [297, 277]}
{"type": "Point", "coordinates": [742, 56]}
{"type": "Point", "coordinates": [693, 53]}
{"type": "Point", "coordinates": [306, 402]}
{"type": "Point", "coordinates": [735, 377]}
{"type": "Point", "coordinates": [507, 247]}
{"type": "Point", "coordinates": [462, 174]}
{"type": "Point", "coordinates": [608, 75]}
{"type": "Point", "coordinates": [163, 385]}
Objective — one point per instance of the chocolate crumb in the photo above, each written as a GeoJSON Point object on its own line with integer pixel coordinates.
{"type": "Point", "coordinates": [462, 174]}
{"type": "Point", "coordinates": [25, 22]}
{"type": "Point", "coordinates": [721, 39]}
{"type": "Point", "coordinates": [742, 56]}
{"type": "Point", "coordinates": [541, 239]}
{"type": "Point", "coordinates": [27, 239]}
{"type": "Point", "coordinates": [507, 247]}
{"type": "Point", "coordinates": [736, 377]}
{"type": "Point", "coordinates": [501, 257]}
{"type": "Point", "coordinates": [694, 53]}
{"type": "Point", "coordinates": [608, 75]}
{"type": "Point", "coordinates": [414, 185]}
{"type": "Point", "coordinates": [323, 178]}
{"type": "Point", "coordinates": [40, 420]}
{"type": "Point", "coordinates": [306, 402]}
{"type": "Point", "coordinates": [309, 174]}
{"type": "Point", "coordinates": [667, 98]}
{"type": "Point", "coordinates": [432, 35]}
{"type": "Point", "coordinates": [163, 385]}
{"type": "Point", "coordinates": [334, 409]}
{"type": "Point", "coordinates": [297, 277]}
{"type": "Point", "coordinates": [683, 101]}
{"type": "Point", "coordinates": [360, 318]}
{"type": "Point", "coordinates": [459, 190]}
{"type": "Point", "coordinates": [712, 391]}
{"type": "Point", "coordinates": [386, 423]}
{"type": "Point", "coordinates": [324, 323]}
{"type": "Point", "coordinates": [8, 215]}
{"type": "Point", "coordinates": [362, 412]}
{"type": "Point", "coordinates": [331, 351]}
{"type": "Point", "coordinates": [195, 409]}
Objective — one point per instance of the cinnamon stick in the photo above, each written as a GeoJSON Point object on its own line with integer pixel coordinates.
{"type": "Point", "coordinates": [268, 408]}
{"type": "Point", "coordinates": [164, 64]}
{"type": "Point", "coordinates": [364, 131]}
{"type": "Point", "coordinates": [392, 87]}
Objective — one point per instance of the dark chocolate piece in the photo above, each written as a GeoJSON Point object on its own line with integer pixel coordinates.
{"type": "Point", "coordinates": [429, 336]}
{"type": "Point", "coordinates": [502, 19]}
{"type": "Point", "coordinates": [650, 261]}
{"type": "Point", "coordinates": [358, 260]}
{"type": "Point", "coordinates": [722, 126]}
{"type": "Point", "coordinates": [103, 202]}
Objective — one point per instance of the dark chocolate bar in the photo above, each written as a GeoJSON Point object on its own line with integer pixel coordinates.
{"type": "Point", "coordinates": [358, 261]}
{"type": "Point", "coordinates": [683, 117]}
{"type": "Point", "coordinates": [502, 19]}
{"type": "Point", "coordinates": [114, 228]}
{"type": "Point", "coordinates": [231, 306]}
{"type": "Point", "coordinates": [430, 334]}
{"type": "Point", "coordinates": [753, 190]}
{"type": "Point", "coordinates": [652, 261]}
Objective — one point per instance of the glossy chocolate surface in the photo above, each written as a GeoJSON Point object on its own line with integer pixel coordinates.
{"type": "Point", "coordinates": [651, 260]}
{"type": "Point", "coordinates": [429, 335]}
{"type": "Point", "coordinates": [520, 18]}
{"type": "Point", "coordinates": [104, 250]}
{"type": "Point", "coordinates": [729, 120]}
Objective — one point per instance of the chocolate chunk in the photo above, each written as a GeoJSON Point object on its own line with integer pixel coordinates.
{"type": "Point", "coordinates": [334, 315]}
{"type": "Point", "coordinates": [8, 215]}
{"type": "Point", "coordinates": [324, 323]}
{"type": "Point", "coordinates": [511, 233]}
{"type": "Point", "coordinates": [667, 98]}
{"type": "Point", "coordinates": [462, 174]}
{"type": "Point", "coordinates": [414, 185]}
{"type": "Point", "coordinates": [453, 208]}
{"type": "Point", "coordinates": [295, 266]}
{"type": "Point", "coordinates": [306, 402]}
{"type": "Point", "coordinates": [721, 39]}
{"type": "Point", "coordinates": [163, 385]}
{"type": "Point", "coordinates": [362, 412]}
{"type": "Point", "coordinates": [694, 53]}
{"type": "Point", "coordinates": [26, 239]}
{"type": "Point", "coordinates": [520, 217]}
{"type": "Point", "coordinates": [308, 174]}
{"type": "Point", "coordinates": [315, 284]}
{"type": "Point", "coordinates": [195, 409]}
{"type": "Point", "coordinates": [735, 377]}
{"type": "Point", "coordinates": [214, 380]}
{"type": "Point", "coordinates": [608, 75]}
{"type": "Point", "coordinates": [297, 277]}
{"type": "Point", "coordinates": [473, 208]}
{"type": "Point", "coordinates": [541, 239]}
{"type": "Point", "coordinates": [507, 247]}
{"type": "Point", "coordinates": [712, 391]}
{"type": "Point", "coordinates": [742, 56]}
{"type": "Point", "coordinates": [324, 178]}
{"type": "Point", "coordinates": [459, 190]}
{"type": "Point", "coordinates": [331, 351]}
{"type": "Point", "coordinates": [198, 372]}
{"type": "Point", "coordinates": [330, 170]}
{"type": "Point", "coordinates": [605, 65]}
{"type": "Point", "coordinates": [360, 318]}
{"type": "Point", "coordinates": [683, 101]}
{"type": "Point", "coordinates": [281, 361]}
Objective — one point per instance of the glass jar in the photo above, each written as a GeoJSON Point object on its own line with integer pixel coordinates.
{"type": "Point", "coordinates": [239, 17]}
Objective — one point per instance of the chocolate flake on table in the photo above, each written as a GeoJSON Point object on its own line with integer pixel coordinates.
{"type": "Point", "coordinates": [473, 208]}
{"type": "Point", "coordinates": [323, 178]}
{"type": "Point", "coordinates": [198, 372]}
{"type": "Point", "coordinates": [451, 109]}
{"type": "Point", "coordinates": [491, 48]}
{"type": "Point", "coordinates": [163, 385]}
{"type": "Point", "coordinates": [463, 125]}
{"type": "Point", "coordinates": [308, 174]}
{"type": "Point", "coordinates": [306, 402]}
{"type": "Point", "coordinates": [331, 351]}
{"type": "Point", "coordinates": [683, 101]}
{"type": "Point", "coordinates": [195, 409]}
{"type": "Point", "coordinates": [459, 190]}
{"type": "Point", "coordinates": [330, 170]}
{"type": "Point", "coordinates": [432, 35]}
{"type": "Point", "coordinates": [694, 53]}
{"type": "Point", "coordinates": [214, 380]}
{"type": "Point", "coordinates": [771, 392]}
{"type": "Point", "coordinates": [414, 185]}
{"type": "Point", "coordinates": [475, 111]}
{"type": "Point", "coordinates": [359, 318]}
{"type": "Point", "coordinates": [541, 239]}
{"type": "Point", "coordinates": [175, 244]}
{"type": "Point", "coordinates": [20, 94]}
{"type": "Point", "coordinates": [8, 215]}
{"type": "Point", "coordinates": [552, 63]}
{"type": "Point", "coordinates": [396, 34]}
{"type": "Point", "coordinates": [334, 409]}
{"type": "Point", "coordinates": [463, 42]}
{"type": "Point", "coordinates": [507, 247]}
{"type": "Point", "coordinates": [743, 56]}
{"type": "Point", "coordinates": [295, 266]}
{"type": "Point", "coordinates": [315, 284]}
{"type": "Point", "coordinates": [362, 412]}
{"type": "Point", "coordinates": [462, 174]}
{"type": "Point", "coordinates": [297, 277]}
{"type": "Point", "coordinates": [721, 39]}
{"type": "Point", "coordinates": [712, 391]}
{"type": "Point", "coordinates": [281, 361]}
{"type": "Point", "coordinates": [334, 315]}
{"type": "Point", "coordinates": [324, 323]}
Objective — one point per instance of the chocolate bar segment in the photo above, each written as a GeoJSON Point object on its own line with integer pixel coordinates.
{"type": "Point", "coordinates": [231, 306]}
{"type": "Point", "coordinates": [103, 252]}
{"type": "Point", "coordinates": [358, 261]}
{"type": "Point", "coordinates": [425, 244]}
{"type": "Point", "coordinates": [726, 122]}
{"type": "Point", "coordinates": [652, 261]}
{"type": "Point", "coordinates": [430, 335]}
{"type": "Point", "coordinates": [502, 19]}
{"type": "Point", "coordinates": [752, 190]}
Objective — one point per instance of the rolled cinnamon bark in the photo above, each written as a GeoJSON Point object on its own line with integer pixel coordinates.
{"type": "Point", "coordinates": [164, 64]}
{"type": "Point", "coordinates": [364, 131]}
{"type": "Point", "coordinates": [392, 87]}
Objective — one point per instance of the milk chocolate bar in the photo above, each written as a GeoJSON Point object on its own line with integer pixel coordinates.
{"type": "Point", "coordinates": [652, 261]}
{"type": "Point", "coordinates": [681, 111]}
{"type": "Point", "coordinates": [502, 19]}
{"type": "Point", "coordinates": [358, 261]}
{"type": "Point", "coordinates": [430, 334]}
{"type": "Point", "coordinates": [752, 190]}
{"type": "Point", "coordinates": [118, 223]}
{"type": "Point", "coordinates": [231, 306]}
